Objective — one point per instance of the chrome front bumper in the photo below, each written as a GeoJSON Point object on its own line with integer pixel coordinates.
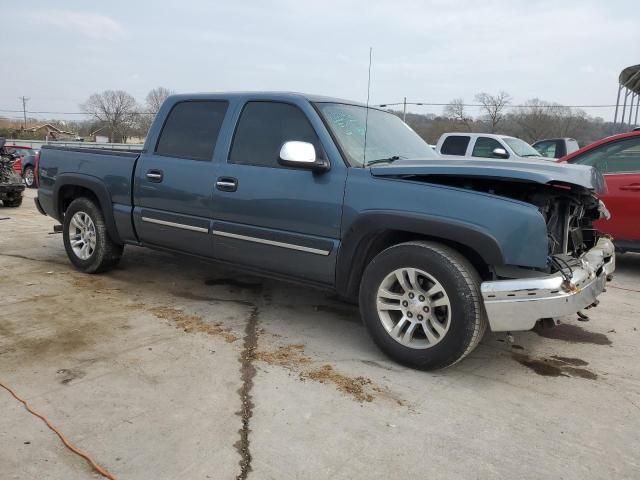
{"type": "Point", "coordinates": [514, 305]}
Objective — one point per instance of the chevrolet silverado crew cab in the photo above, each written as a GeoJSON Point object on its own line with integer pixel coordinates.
{"type": "Point", "coordinates": [334, 195]}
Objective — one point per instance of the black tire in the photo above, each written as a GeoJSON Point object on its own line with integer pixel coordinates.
{"type": "Point", "coordinates": [13, 203]}
{"type": "Point", "coordinates": [28, 172]}
{"type": "Point", "coordinates": [461, 283]}
{"type": "Point", "coordinates": [106, 254]}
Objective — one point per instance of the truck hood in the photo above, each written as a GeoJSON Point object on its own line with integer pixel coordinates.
{"type": "Point", "coordinates": [529, 171]}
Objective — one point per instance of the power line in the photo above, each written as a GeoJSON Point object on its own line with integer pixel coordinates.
{"type": "Point", "coordinates": [382, 105]}
{"type": "Point", "coordinates": [431, 104]}
{"type": "Point", "coordinates": [64, 113]}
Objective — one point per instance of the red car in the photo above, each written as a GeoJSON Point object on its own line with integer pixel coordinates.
{"type": "Point", "coordinates": [618, 159]}
{"type": "Point", "coordinates": [26, 165]}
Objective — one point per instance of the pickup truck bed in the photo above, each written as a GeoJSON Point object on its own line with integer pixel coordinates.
{"type": "Point", "coordinates": [281, 184]}
{"type": "Point", "coordinates": [108, 174]}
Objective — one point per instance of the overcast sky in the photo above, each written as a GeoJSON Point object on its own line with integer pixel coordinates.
{"type": "Point", "coordinates": [569, 51]}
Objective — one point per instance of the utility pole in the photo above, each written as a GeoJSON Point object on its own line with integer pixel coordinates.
{"type": "Point", "coordinates": [24, 110]}
{"type": "Point", "coordinates": [404, 110]}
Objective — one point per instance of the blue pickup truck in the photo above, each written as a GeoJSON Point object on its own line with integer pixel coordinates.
{"type": "Point", "coordinates": [335, 195]}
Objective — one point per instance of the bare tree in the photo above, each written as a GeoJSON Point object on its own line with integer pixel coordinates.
{"type": "Point", "coordinates": [116, 109]}
{"type": "Point", "coordinates": [493, 107]}
{"type": "Point", "coordinates": [455, 111]}
{"type": "Point", "coordinates": [156, 97]}
{"type": "Point", "coordinates": [538, 119]}
{"type": "Point", "coordinates": [535, 119]}
{"type": "Point", "coordinates": [154, 100]}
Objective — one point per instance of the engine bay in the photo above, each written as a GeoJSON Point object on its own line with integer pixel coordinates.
{"type": "Point", "coordinates": [568, 210]}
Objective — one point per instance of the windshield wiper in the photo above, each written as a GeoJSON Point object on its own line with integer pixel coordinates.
{"type": "Point", "coordinates": [384, 160]}
{"type": "Point", "coordinates": [532, 155]}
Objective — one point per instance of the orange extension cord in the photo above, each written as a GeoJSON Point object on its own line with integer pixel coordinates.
{"type": "Point", "coordinates": [67, 444]}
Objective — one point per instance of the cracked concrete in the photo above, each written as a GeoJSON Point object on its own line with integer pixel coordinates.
{"type": "Point", "coordinates": [169, 367]}
{"type": "Point", "coordinates": [247, 373]}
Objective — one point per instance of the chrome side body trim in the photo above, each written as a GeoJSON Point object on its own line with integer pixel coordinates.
{"type": "Point", "coordinates": [175, 225]}
{"type": "Point", "coordinates": [274, 243]}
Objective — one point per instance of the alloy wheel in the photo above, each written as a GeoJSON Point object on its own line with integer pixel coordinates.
{"type": "Point", "coordinates": [414, 308]}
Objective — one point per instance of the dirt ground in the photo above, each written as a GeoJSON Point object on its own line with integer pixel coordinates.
{"type": "Point", "coordinates": [169, 367]}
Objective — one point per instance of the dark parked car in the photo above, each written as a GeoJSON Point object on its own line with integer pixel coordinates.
{"type": "Point", "coordinates": [285, 185]}
{"type": "Point", "coordinates": [556, 147]}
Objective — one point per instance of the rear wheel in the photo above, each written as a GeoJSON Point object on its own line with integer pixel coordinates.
{"type": "Point", "coordinates": [86, 239]}
{"type": "Point", "coordinates": [29, 177]}
{"type": "Point", "coordinates": [421, 304]}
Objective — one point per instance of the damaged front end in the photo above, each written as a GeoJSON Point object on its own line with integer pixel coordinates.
{"type": "Point", "coordinates": [518, 304]}
{"type": "Point", "coordinates": [568, 210]}
{"type": "Point", "coordinates": [579, 260]}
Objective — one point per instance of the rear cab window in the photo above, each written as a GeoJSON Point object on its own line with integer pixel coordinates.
{"type": "Point", "coordinates": [455, 145]}
{"type": "Point", "coordinates": [191, 129]}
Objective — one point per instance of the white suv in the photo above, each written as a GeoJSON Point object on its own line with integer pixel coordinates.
{"type": "Point", "coordinates": [485, 145]}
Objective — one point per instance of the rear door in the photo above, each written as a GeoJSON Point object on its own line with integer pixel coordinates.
{"type": "Point", "coordinates": [175, 180]}
{"type": "Point", "coordinates": [274, 218]}
{"type": "Point", "coordinates": [619, 162]}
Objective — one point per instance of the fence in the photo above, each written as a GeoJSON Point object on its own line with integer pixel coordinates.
{"type": "Point", "coordinates": [106, 146]}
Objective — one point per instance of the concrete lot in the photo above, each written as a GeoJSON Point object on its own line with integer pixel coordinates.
{"type": "Point", "coordinates": [148, 369]}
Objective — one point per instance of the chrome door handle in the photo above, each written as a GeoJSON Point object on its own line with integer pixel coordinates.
{"type": "Point", "coordinates": [154, 176]}
{"type": "Point", "coordinates": [227, 184]}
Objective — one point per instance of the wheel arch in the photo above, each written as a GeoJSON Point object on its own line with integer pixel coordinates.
{"type": "Point", "coordinates": [374, 232]}
{"type": "Point", "coordinates": [68, 187]}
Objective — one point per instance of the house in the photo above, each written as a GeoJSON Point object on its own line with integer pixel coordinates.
{"type": "Point", "coordinates": [106, 135]}
{"type": "Point", "coordinates": [51, 132]}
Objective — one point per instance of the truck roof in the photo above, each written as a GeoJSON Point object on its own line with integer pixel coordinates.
{"type": "Point", "coordinates": [475, 134]}
{"type": "Point", "coordinates": [555, 139]}
{"type": "Point", "coordinates": [266, 95]}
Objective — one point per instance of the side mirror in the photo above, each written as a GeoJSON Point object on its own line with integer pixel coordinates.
{"type": "Point", "coordinates": [301, 155]}
{"type": "Point", "coordinates": [500, 153]}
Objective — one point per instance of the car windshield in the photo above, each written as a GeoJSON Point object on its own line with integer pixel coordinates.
{"type": "Point", "coordinates": [521, 148]}
{"type": "Point", "coordinates": [387, 137]}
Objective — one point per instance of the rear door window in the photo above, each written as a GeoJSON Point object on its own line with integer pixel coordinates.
{"type": "Point", "coordinates": [485, 146]}
{"type": "Point", "coordinates": [455, 145]}
{"type": "Point", "coordinates": [191, 130]}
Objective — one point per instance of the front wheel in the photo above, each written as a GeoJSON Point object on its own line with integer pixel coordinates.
{"type": "Point", "coordinates": [421, 303]}
{"type": "Point", "coordinates": [86, 239]}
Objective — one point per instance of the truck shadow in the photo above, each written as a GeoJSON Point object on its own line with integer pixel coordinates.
{"type": "Point", "coordinates": [300, 315]}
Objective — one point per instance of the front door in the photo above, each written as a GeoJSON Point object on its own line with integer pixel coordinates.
{"type": "Point", "coordinates": [274, 218]}
{"type": "Point", "coordinates": [619, 162]}
{"type": "Point", "coordinates": [175, 181]}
